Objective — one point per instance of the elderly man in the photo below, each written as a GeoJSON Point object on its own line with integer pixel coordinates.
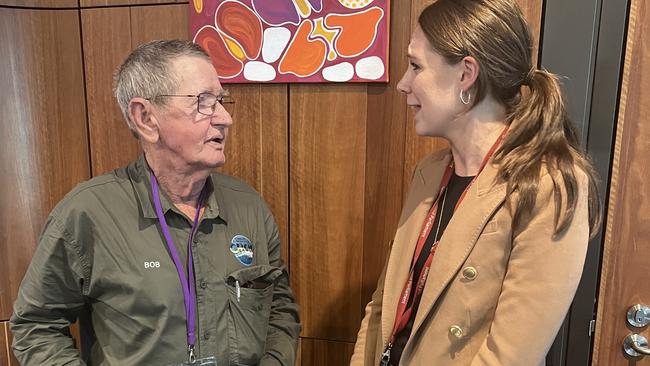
{"type": "Point", "coordinates": [163, 262]}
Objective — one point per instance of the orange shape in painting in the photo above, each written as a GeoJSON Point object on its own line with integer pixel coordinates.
{"type": "Point", "coordinates": [241, 24]}
{"type": "Point", "coordinates": [224, 62]}
{"type": "Point", "coordinates": [358, 30]}
{"type": "Point", "coordinates": [303, 56]}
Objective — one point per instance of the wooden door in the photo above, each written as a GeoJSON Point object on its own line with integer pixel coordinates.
{"type": "Point", "coordinates": [625, 278]}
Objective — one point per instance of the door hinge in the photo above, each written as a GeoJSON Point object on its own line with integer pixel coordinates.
{"type": "Point", "coordinates": [592, 326]}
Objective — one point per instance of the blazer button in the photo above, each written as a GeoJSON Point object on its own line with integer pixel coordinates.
{"type": "Point", "coordinates": [456, 331]}
{"type": "Point", "coordinates": [470, 273]}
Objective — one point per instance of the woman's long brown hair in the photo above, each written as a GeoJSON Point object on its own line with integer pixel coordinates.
{"type": "Point", "coordinates": [540, 135]}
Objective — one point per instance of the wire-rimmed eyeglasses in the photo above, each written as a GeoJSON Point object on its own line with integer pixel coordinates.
{"type": "Point", "coordinates": [206, 103]}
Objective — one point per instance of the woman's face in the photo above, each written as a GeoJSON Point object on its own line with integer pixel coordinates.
{"type": "Point", "coordinates": [432, 88]}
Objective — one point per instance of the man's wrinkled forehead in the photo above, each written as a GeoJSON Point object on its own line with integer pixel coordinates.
{"type": "Point", "coordinates": [196, 73]}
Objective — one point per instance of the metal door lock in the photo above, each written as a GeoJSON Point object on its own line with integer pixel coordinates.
{"type": "Point", "coordinates": [638, 316]}
{"type": "Point", "coordinates": [636, 345]}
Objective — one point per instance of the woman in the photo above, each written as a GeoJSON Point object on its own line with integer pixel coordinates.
{"type": "Point", "coordinates": [493, 234]}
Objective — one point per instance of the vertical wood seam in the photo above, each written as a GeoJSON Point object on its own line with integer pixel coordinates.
{"type": "Point", "coordinates": [85, 87]}
{"type": "Point", "coordinates": [7, 347]}
{"type": "Point", "coordinates": [614, 183]}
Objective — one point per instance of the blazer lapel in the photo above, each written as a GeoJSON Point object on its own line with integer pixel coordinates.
{"type": "Point", "coordinates": [425, 186]}
{"type": "Point", "coordinates": [459, 238]}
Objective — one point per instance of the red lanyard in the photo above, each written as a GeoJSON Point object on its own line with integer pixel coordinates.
{"type": "Point", "coordinates": [404, 313]}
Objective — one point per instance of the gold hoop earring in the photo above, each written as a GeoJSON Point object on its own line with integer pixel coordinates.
{"type": "Point", "coordinates": [469, 97]}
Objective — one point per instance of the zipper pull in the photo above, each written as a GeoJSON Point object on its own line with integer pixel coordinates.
{"type": "Point", "coordinates": [385, 357]}
{"type": "Point", "coordinates": [238, 288]}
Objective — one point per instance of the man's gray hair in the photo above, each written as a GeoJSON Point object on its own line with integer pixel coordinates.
{"type": "Point", "coordinates": [148, 73]}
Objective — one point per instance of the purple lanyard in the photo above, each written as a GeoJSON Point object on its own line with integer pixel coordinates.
{"type": "Point", "coordinates": [189, 292]}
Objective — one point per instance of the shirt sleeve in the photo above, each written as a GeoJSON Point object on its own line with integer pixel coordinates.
{"type": "Point", "coordinates": [542, 278]}
{"type": "Point", "coordinates": [284, 322]}
{"type": "Point", "coordinates": [49, 300]}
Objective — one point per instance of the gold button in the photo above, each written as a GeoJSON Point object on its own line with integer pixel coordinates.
{"type": "Point", "coordinates": [470, 273]}
{"type": "Point", "coordinates": [456, 331]}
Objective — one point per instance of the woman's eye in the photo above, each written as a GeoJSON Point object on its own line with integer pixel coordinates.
{"type": "Point", "coordinates": [415, 66]}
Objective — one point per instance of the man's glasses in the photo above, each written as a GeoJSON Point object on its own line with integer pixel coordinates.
{"type": "Point", "coordinates": [206, 103]}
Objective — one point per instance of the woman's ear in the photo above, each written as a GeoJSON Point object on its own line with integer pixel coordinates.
{"type": "Point", "coordinates": [144, 121]}
{"type": "Point", "coordinates": [470, 69]}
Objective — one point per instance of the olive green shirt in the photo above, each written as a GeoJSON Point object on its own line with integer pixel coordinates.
{"type": "Point", "coordinates": [102, 259]}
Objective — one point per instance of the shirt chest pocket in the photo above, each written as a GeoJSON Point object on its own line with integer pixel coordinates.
{"type": "Point", "coordinates": [250, 296]}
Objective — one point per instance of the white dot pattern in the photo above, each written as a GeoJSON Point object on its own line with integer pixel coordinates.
{"type": "Point", "coordinates": [355, 4]}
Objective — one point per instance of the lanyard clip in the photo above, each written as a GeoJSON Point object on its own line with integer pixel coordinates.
{"type": "Point", "coordinates": [190, 350]}
{"type": "Point", "coordinates": [385, 357]}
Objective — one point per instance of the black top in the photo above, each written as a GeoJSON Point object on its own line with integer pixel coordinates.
{"type": "Point", "coordinates": [455, 188]}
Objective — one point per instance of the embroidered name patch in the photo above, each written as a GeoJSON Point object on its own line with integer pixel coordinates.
{"type": "Point", "coordinates": [242, 248]}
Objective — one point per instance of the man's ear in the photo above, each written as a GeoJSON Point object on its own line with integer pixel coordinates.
{"type": "Point", "coordinates": [469, 72]}
{"type": "Point", "coordinates": [144, 121]}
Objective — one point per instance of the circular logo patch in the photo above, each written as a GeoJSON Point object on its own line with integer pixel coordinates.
{"type": "Point", "coordinates": [242, 248]}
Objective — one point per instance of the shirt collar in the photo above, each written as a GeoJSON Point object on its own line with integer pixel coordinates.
{"type": "Point", "coordinates": [139, 173]}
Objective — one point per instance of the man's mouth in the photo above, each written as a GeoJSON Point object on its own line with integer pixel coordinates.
{"type": "Point", "coordinates": [218, 140]}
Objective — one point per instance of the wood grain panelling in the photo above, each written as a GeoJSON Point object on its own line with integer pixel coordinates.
{"type": "Point", "coordinates": [171, 23]}
{"type": "Point", "coordinates": [624, 276]}
{"type": "Point", "coordinates": [532, 10]}
{"type": "Point", "coordinates": [109, 35]}
{"type": "Point", "coordinates": [387, 113]}
{"type": "Point", "coordinates": [54, 4]}
{"type": "Point", "coordinates": [327, 163]}
{"type": "Point", "coordinates": [107, 42]}
{"type": "Point", "coordinates": [43, 137]}
{"type": "Point", "coordinates": [274, 152]}
{"type": "Point", "coordinates": [258, 144]}
{"type": "Point", "coordinates": [316, 352]}
{"type": "Point", "coordinates": [105, 3]}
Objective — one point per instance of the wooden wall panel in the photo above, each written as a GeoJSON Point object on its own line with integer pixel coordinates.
{"type": "Point", "coordinates": [624, 276]}
{"type": "Point", "coordinates": [54, 4]}
{"type": "Point", "coordinates": [107, 42]}
{"type": "Point", "coordinates": [327, 163]}
{"type": "Point", "coordinates": [316, 352]}
{"type": "Point", "coordinates": [385, 140]}
{"type": "Point", "coordinates": [258, 147]}
{"type": "Point", "coordinates": [43, 136]}
{"type": "Point", "coordinates": [532, 10]}
{"type": "Point", "coordinates": [274, 152]}
{"type": "Point", "coordinates": [105, 3]}
{"type": "Point", "coordinates": [158, 22]}
{"type": "Point", "coordinates": [110, 34]}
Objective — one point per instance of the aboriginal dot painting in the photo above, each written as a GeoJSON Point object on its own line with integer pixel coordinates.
{"type": "Point", "coordinates": [293, 41]}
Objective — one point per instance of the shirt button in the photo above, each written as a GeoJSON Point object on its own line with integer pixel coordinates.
{"type": "Point", "coordinates": [456, 331]}
{"type": "Point", "coordinates": [203, 284]}
{"type": "Point", "coordinates": [206, 336]}
{"type": "Point", "coordinates": [470, 273]}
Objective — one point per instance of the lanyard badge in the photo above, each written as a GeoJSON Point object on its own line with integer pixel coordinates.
{"type": "Point", "coordinates": [186, 278]}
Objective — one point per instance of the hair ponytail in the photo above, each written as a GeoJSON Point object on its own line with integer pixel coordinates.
{"type": "Point", "coordinates": [541, 135]}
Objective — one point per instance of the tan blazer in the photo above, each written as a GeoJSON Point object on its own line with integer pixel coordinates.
{"type": "Point", "coordinates": [494, 296]}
